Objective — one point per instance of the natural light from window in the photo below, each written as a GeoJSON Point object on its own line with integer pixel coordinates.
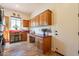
{"type": "Point", "coordinates": [15, 23]}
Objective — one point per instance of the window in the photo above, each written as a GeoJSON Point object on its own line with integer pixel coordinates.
{"type": "Point", "coordinates": [15, 23]}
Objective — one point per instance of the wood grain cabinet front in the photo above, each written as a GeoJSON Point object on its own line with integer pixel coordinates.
{"type": "Point", "coordinates": [47, 44]}
{"type": "Point", "coordinates": [23, 36]}
{"type": "Point", "coordinates": [48, 17]}
{"type": "Point", "coordinates": [26, 23]}
{"type": "Point", "coordinates": [7, 25]}
{"type": "Point", "coordinates": [42, 19]}
{"type": "Point", "coordinates": [45, 18]}
{"type": "Point", "coordinates": [33, 22]}
{"type": "Point", "coordinates": [44, 44]}
{"type": "Point", "coordinates": [37, 20]}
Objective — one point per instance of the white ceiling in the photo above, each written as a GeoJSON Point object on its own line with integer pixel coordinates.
{"type": "Point", "coordinates": [22, 7]}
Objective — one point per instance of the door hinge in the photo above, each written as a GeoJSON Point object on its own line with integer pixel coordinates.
{"type": "Point", "coordinates": [78, 14]}
{"type": "Point", "coordinates": [78, 51]}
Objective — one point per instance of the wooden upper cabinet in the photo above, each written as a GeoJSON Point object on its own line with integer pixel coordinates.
{"type": "Point", "coordinates": [26, 23]}
{"type": "Point", "coordinates": [33, 22]}
{"type": "Point", "coordinates": [45, 18]}
{"type": "Point", "coordinates": [48, 17]}
{"type": "Point", "coordinates": [42, 19]}
{"type": "Point", "coordinates": [7, 23]}
{"type": "Point", "coordinates": [37, 20]}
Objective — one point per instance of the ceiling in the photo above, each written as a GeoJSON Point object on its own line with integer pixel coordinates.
{"type": "Point", "coordinates": [22, 7]}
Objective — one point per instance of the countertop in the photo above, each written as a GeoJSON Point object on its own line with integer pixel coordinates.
{"type": "Point", "coordinates": [38, 35]}
{"type": "Point", "coordinates": [18, 31]}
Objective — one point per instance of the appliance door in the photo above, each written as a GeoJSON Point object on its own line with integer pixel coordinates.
{"type": "Point", "coordinates": [1, 45]}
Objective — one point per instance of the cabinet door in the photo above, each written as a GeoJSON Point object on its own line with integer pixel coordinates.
{"type": "Point", "coordinates": [33, 22]}
{"type": "Point", "coordinates": [26, 23]}
{"type": "Point", "coordinates": [7, 23]}
{"type": "Point", "coordinates": [30, 23]}
{"type": "Point", "coordinates": [24, 36]}
{"type": "Point", "coordinates": [45, 17]}
{"type": "Point", "coordinates": [47, 44]}
{"type": "Point", "coordinates": [42, 19]}
{"type": "Point", "coordinates": [39, 43]}
{"type": "Point", "coordinates": [48, 17]}
{"type": "Point", "coordinates": [36, 23]}
{"type": "Point", "coordinates": [37, 20]}
{"type": "Point", "coordinates": [6, 35]}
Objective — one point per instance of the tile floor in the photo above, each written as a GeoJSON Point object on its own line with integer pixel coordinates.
{"type": "Point", "coordinates": [24, 49]}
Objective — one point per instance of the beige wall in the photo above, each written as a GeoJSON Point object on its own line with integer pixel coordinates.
{"type": "Point", "coordinates": [66, 23]}
{"type": "Point", "coordinates": [24, 16]}
{"type": "Point", "coordinates": [9, 12]}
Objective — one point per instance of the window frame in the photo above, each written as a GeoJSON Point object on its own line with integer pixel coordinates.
{"type": "Point", "coordinates": [16, 20]}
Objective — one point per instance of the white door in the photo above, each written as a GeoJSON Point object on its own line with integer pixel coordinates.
{"type": "Point", "coordinates": [78, 33]}
{"type": "Point", "coordinates": [66, 25]}
{"type": "Point", "coordinates": [78, 29]}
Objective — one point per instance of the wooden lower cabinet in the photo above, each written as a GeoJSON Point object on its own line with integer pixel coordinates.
{"type": "Point", "coordinates": [12, 37]}
{"type": "Point", "coordinates": [15, 37]}
{"type": "Point", "coordinates": [47, 44]}
{"type": "Point", "coordinates": [44, 44]}
{"type": "Point", "coordinates": [6, 36]}
{"type": "Point", "coordinates": [18, 36]}
{"type": "Point", "coordinates": [23, 36]}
